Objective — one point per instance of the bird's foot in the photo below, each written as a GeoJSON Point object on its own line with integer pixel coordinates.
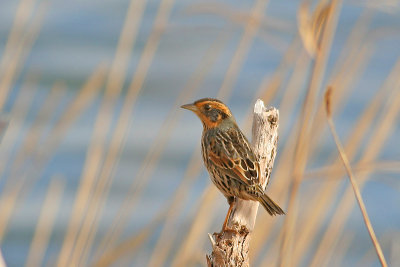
{"type": "Point", "coordinates": [226, 229]}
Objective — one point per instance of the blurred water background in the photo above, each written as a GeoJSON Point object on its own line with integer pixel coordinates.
{"type": "Point", "coordinates": [184, 50]}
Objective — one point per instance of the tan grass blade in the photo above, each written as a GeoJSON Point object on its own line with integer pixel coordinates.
{"type": "Point", "coordinates": [128, 246]}
{"type": "Point", "coordinates": [250, 32]}
{"type": "Point", "coordinates": [327, 193]}
{"type": "Point", "coordinates": [200, 223]}
{"type": "Point", "coordinates": [78, 105]}
{"type": "Point", "coordinates": [35, 132]}
{"type": "Point", "coordinates": [270, 258]}
{"type": "Point", "coordinates": [301, 153]}
{"type": "Point", "coordinates": [239, 16]}
{"type": "Point", "coordinates": [18, 114]}
{"type": "Point", "coordinates": [311, 26]}
{"type": "Point", "coordinates": [353, 182]}
{"type": "Point", "coordinates": [137, 82]}
{"type": "Point", "coordinates": [164, 242]}
{"type": "Point", "coordinates": [45, 223]}
{"type": "Point", "coordinates": [159, 145]}
{"type": "Point", "coordinates": [2, 262]}
{"type": "Point", "coordinates": [332, 172]}
{"type": "Point", "coordinates": [83, 98]}
{"type": "Point", "coordinates": [22, 49]}
{"type": "Point", "coordinates": [55, 135]}
{"type": "Point", "coordinates": [395, 247]}
{"type": "Point", "coordinates": [163, 246]}
{"type": "Point", "coordinates": [224, 92]}
{"type": "Point", "coordinates": [348, 67]}
{"type": "Point", "coordinates": [7, 207]}
{"type": "Point", "coordinates": [305, 29]}
{"type": "Point", "coordinates": [267, 25]}
{"type": "Point", "coordinates": [268, 91]}
{"type": "Point", "coordinates": [134, 88]}
{"type": "Point", "coordinates": [12, 188]}
{"type": "Point", "coordinates": [336, 256]}
{"type": "Point", "coordinates": [115, 80]}
{"type": "Point", "coordinates": [386, 122]}
{"type": "Point", "coordinates": [271, 86]}
{"type": "Point", "coordinates": [21, 18]}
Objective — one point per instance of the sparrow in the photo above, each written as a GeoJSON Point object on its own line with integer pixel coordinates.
{"type": "Point", "coordinates": [228, 156]}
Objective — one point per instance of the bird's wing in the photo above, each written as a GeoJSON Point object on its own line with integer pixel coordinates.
{"type": "Point", "coordinates": [231, 153]}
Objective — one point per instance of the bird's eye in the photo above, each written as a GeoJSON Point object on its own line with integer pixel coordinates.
{"type": "Point", "coordinates": [207, 107]}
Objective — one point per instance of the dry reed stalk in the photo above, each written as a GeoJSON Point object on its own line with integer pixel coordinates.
{"type": "Point", "coordinates": [328, 192]}
{"type": "Point", "coordinates": [115, 80]}
{"type": "Point", "coordinates": [170, 232]}
{"type": "Point", "coordinates": [2, 262]}
{"type": "Point", "coordinates": [195, 235]}
{"type": "Point", "coordinates": [381, 131]}
{"type": "Point", "coordinates": [35, 131]}
{"type": "Point", "coordinates": [114, 86]}
{"type": "Point", "coordinates": [355, 187]}
{"type": "Point", "coordinates": [45, 223]}
{"type": "Point", "coordinates": [332, 172]}
{"type": "Point", "coordinates": [162, 137]}
{"type": "Point", "coordinates": [130, 245]}
{"type": "Point", "coordinates": [40, 154]}
{"type": "Point", "coordinates": [347, 68]}
{"type": "Point", "coordinates": [55, 135]}
{"type": "Point", "coordinates": [270, 258]}
{"type": "Point", "coordinates": [272, 89]}
{"type": "Point", "coordinates": [370, 255]}
{"type": "Point", "coordinates": [232, 248]}
{"type": "Point", "coordinates": [18, 114]}
{"type": "Point", "coordinates": [239, 16]}
{"type": "Point", "coordinates": [290, 57]}
{"type": "Point", "coordinates": [301, 153]}
{"type": "Point", "coordinates": [261, 234]}
{"type": "Point", "coordinates": [21, 18]}
{"type": "Point", "coordinates": [163, 244]}
{"type": "Point", "coordinates": [395, 247]}
{"type": "Point", "coordinates": [11, 190]}
{"type": "Point", "coordinates": [287, 102]}
{"type": "Point", "coordinates": [266, 24]}
{"type": "Point", "coordinates": [280, 187]}
{"type": "Point", "coordinates": [268, 89]}
{"type": "Point", "coordinates": [224, 92]}
{"type": "Point", "coordinates": [78, 105]}
{"type": "Point", "coordinates": [22, 50]}
{"type": "Point", "coordinates": [352, 67]}
{"type": "Point", "coordinates": [367, 258]}
{"type": "Point", "coordinates": [134, 88]}
{"type": "Point", "coordinates": [335, 256]}
{"type": "Point", "coordinates": [7, 207]}
{"type": "Point", "coordinates": [30, 143]}
{"type": "Point", "coordinates": [239, 54]}
{"type": "Point", "coordinates": [250, 31]}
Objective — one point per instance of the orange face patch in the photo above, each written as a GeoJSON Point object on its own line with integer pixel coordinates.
{"type": "Point", "coordinates": [212, 112]}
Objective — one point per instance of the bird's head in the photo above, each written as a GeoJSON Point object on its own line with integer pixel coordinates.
{"type": "Point", "coordinates": [212, 112]}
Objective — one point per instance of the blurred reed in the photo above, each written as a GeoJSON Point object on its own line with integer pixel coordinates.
{"type": "Point", "coordinates": [314, 231]}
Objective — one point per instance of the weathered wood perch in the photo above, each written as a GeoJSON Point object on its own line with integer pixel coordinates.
{"type": "Point", "coordinates": [232, 248]}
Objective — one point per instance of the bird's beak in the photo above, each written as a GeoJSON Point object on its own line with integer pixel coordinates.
{"type": "Point", "coordinates": [191, 107]}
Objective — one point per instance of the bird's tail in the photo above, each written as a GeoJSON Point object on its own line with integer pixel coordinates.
{"type": "Point", "coordinates": [270, 206]}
